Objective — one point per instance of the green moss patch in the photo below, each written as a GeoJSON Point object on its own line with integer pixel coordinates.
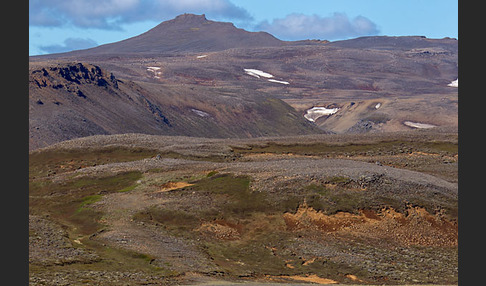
{"type": "Point", "coordinates": [69, 201]}
{"type": "Point", "coordinates": [51, 162]}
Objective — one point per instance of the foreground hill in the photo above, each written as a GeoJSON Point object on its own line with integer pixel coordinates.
{"type": "Point", "coordinates": [164, 210]}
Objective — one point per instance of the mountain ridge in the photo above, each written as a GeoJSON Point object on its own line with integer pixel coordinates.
{"type": "Point", "coordinates": [195, 33]}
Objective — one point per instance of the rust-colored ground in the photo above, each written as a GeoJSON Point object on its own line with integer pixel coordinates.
{"type": "Point", "coordinates": [416, 227]}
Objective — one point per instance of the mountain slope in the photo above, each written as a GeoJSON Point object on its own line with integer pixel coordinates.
{"type": "Point", "coordinates": [71, 100]}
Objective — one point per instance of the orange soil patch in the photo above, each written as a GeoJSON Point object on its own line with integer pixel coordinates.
{"type": "Point", "coordinates": [311, 278]}
{"type": "Point", "coordinates": [414, 227]}
{"type": "Point", "coordinates": [169, 186]}
{"type": "Point", "coordinates": [310, 261]}
{"type": "Point", "coordinates": [354, 278]}
{"type": "Point", "coordinates": [307, 218]}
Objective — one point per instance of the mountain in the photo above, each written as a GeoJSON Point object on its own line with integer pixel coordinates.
{"type": "Point", "coordinates": [212, 79]}
{"type": "Point", "coordinates": [187, 33]}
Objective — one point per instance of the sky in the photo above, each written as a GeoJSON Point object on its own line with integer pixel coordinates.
{"type": "Point", "coordinates": [64, 25]}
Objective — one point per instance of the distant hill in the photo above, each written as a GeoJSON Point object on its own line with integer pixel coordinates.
{"type": "Point", "coordinates": [196, 77]}
{"type": "Point", "coordinates": [404, 43]}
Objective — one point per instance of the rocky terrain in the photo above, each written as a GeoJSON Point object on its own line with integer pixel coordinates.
{"type": "Point", "coordinates": [202, 154]}
{"type": "Point", "coordinates": [164, 210]}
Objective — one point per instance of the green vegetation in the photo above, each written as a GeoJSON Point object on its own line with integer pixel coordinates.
{"type": "Point", "coordinates": [339, 180]}
{"type": "Point", "coordinates": [47, 163]}
{"type": "Point", "coordinates": [212, 173]}
{"type": "Point", "coordinates": [233, 195]}
{"type": "Point", "coordinates": [338, 199]}
{"type": "Point", "coordinates": [237, 199]}
{"type": "Point", "coordinates": [68, 201]}
{"type": "Point", "coordinates": [127, 189]}
{"type": "Point", "coordinates": [90, 200]}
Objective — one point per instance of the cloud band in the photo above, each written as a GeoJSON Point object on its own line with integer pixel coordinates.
{"type": "Point", "coordinates": [110, 14]}
{"type": "Point", "coordinates": [338, 26]}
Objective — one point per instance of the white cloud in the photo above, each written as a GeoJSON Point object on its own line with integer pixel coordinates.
{"type": "Point", "coordinates": [338, 26]}
{"type": "Point", "coordinates": [110, 14]}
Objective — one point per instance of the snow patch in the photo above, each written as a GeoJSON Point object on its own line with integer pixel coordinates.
{"type": "Point", "coordinates": [279, 81]}
{"type": "Point", "coordinates": [155, 71]}
{"type": "Point", "coordinates": [454, 83]}
{"type": "Point", "coordinates": [200, 113]}
{"type": "Point", "coordinates": [201, 56]}
{"type": "Point", "coordinates": [418, 125]}
{"type": "Point", "coordinates": [257, 73]}
{"type": "Point", "coordinates": [378, 105]}
{"type": "Point", "coordinates": [315, 112]}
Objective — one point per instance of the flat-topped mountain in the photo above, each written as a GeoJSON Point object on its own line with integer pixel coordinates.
{"type": "Point", "coordinates": [404, 43]}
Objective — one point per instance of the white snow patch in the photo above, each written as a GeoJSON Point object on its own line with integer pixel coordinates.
{"type": "Point", "coordinates": [316, 112]}
{"type": "Point", "coordinates": [378, 105]}
{"type": "Point", "coordinates": [201, 56]}
{"type": "Point", "coordinates": [454, 83]}
{"type": "Point", "coordinates": [155, 71]}
{"type": "Point", "coordinates": [200, 113]}
{"type": "Point", "coordinates": [279, 81]}
{"type": "Point", "coordinates": [418, 125]}
{"type": "Point", "coordinates": [257, 73]}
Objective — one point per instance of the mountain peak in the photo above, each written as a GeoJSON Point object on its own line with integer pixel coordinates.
{"type": "Point", "coordinates": [185, 20]}
{"type": "Point", "coordinates": [187, 17]}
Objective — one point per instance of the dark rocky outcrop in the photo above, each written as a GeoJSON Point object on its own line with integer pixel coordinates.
{"type": "Point", "coordinates": [63, 75]}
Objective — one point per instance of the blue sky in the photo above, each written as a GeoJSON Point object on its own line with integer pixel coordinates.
{"type": "Point", "coordinates": [63, 25]}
